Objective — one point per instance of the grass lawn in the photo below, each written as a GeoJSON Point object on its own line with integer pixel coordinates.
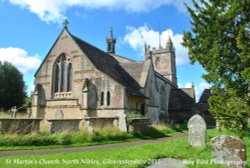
{"type": "Point", "coordinates": [138, 156]}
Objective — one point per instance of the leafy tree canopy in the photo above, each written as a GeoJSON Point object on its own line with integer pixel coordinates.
{"type": "Point", "coordinates": [12, 87]}
{"type": "Point", "coordinates": [220, 41]}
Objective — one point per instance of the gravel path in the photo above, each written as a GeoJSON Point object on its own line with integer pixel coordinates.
{"type": "Point", "coordinates": [88, 148]}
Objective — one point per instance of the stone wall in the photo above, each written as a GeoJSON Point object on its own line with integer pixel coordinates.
{"type": "Point", "coordinates": [99, 122]}
{"type": "Point", "coordinates": [18, 115]}
{"type": "Point", "coordinates": [19, 125]}
{"type": "Point", "coordinates": [60, 125]}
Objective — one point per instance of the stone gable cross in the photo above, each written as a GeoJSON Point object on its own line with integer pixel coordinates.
{"type": "Point", "coordinates": [65, 23]}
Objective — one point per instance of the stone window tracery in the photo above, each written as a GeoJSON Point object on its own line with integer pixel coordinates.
{"type": "Point", "coordinates": [63, 76]}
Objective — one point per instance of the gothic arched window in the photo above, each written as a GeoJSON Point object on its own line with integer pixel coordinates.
{"type": "Point", "coordinates": [63, 77]}
{"type": "Point", "coordinates": [102, 98]}
{"type": "Point", "coordinates": [108, 98]}
{"type": "Point", "coordinates": [63, 70]}
{"type": "Point", "coordinates": [69, 76]}
{"type": "Point", "coordinates": [57, 73]}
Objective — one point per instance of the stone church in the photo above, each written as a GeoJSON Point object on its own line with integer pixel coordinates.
{"type": "Point", "coordinates": [78, 81]}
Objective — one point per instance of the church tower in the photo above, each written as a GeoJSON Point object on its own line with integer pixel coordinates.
{"type": "Point", "coordinates": [164, 61]}
{"type": "Point", "coordinates": [111, 43]}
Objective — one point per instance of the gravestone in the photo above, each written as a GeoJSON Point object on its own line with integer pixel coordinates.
{"type": "Point", "coordinates": [197, 131]}
{"type": "Point", "coordinates": [59, 114]}
{"type": "Point", "coordinates": [122, 122]}
{"type": "Point", "coordinates": [29, 112]}
{"type": "Point", "coordinates": [13, 112]}
{"type": "Point", "coordinates": [229, 151]}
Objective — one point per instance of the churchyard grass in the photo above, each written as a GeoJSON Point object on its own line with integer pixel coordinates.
{"type": "Point", "coordinates": [178, 148]}
{"type": "Point", "coordinates": [83, 138]}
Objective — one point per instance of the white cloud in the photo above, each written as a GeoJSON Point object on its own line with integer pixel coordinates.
{"type": "Point", "coordinates": [200, 88]}
{"type": "Point", "coordinates": [136, 38]}
{"type": "Point", "coordinates": [188, 85]}
{"type": "Point", "coordinates": [180, 5]}
{"type": "Point", "coordinates": [30, 88]}
{"type": "Point", "coordinates": [20, 59]}
{"type": "Point", "coordinates": [54, 10]}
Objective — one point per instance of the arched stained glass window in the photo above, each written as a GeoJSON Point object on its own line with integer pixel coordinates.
{"type": "Point", "coordinates": [102, 98]}
{"type": "Point", "coordinates": [108, 98]}
{"type": "Point", "coordinates": [63, 71]}
{"type": "Point", "coordinates": [63, 76]}
{"type": "Point", "coordinates": [57, 78]}
{"type": "Point", "coordinates": [69, 77]}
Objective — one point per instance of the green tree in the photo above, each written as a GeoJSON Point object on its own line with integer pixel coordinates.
{"type": "Point", "coordinates": [12, 87]}
{"type": "Point", "coordinates": [220, 41]}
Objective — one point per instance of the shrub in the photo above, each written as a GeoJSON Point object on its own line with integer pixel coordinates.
{"type": "Point", "coordinates": [108, 134]}
{"type": "Point", "coordinates": [64, 138]}
{"type": "Point", "coordinates": [42, 140]}
{"type": "Point", "coordinates": [131, 116]}
{"type": "Point", "coordinates": [79, 137]}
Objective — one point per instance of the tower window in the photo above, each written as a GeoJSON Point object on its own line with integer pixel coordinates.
{"type": "Point", "coordinates": [157, 61]}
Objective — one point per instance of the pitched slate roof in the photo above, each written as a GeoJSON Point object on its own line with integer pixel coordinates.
{"type": "Point", "coordinates": [108, 65]}
{"type": "Point", "coordinates": [180, 101]}
{"type": "Point", "coordinates": [205, 96]}
{"type": "Point", "coordinates": [134, 69]}
{"type": "Point", "coordinates": [121, 57]}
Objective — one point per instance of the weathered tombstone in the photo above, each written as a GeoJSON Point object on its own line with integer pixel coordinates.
{"type": "Point", "coordinates": [197, 131]}
{"type": "Point", "coordinates": [29, 112]}
{"type": "Point", "coordinates": [229, 151]}
{"type": "Point", "coordinates": [122, 122]}
{"type": "Point", "coordinates": [59, 114]}
{"type": "Point", "coordinates": [13, 112]}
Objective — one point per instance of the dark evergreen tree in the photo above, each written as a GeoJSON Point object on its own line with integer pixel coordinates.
{"type": "Point", "coordinates": [12, 87]}
{"type": "Point", "coordinates": [220, 41]}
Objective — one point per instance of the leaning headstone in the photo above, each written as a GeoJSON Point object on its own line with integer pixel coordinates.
{"type": "Point", "coordinates": [197, 131]}
{"type": "Point", "coordinates": [229, 151]}
{"type": "Point", "coordinates": [59, 114]}
{"type": "Point", "coordinates": [122, 122]}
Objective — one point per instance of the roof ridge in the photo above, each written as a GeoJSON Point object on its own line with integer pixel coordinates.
{"type": "Point", "coordinates": [123, 57]}
{"type": "Point", "coordinates": [110, 66]}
